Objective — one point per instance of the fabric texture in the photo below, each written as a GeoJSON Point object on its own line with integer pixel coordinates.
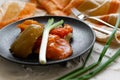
{"type": "Point", "coordinates": [107, 10]}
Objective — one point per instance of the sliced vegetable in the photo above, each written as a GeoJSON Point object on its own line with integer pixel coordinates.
{"type": "Point", "coordinates": [23, 45]}
{"type": "Point", "coordinates": [48, 27]}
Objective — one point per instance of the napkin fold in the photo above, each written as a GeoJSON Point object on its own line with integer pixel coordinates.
{"type": "Point", "coordinates": [107, 10]}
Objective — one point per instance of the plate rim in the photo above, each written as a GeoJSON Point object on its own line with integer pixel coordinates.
{"type": "Point", "coordinates": [60, 61]}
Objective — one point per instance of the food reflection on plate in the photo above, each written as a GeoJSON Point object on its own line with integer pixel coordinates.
{"type": "Point", "coordinates": [30, 39]}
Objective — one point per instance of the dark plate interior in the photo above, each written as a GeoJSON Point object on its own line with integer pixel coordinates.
{"type": "Point", "coordinates": [83, 39]}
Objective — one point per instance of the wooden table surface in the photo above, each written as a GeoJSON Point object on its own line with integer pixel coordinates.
{"type": "Point", "coordinates": [13, 71]}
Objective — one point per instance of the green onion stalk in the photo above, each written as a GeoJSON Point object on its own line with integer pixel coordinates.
{"type": "Point", "coordinates": [80, 71]}
{"type": "Point", "coordinates": [48, 27]}
{"type": "Point", "coordinates": [99, 68]}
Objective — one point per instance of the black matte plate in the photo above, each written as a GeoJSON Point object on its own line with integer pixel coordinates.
{"type": "Point", "coordinates": [82, 41]}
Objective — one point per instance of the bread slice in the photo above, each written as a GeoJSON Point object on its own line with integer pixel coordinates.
{"type": "Point", "coordinates": [37, 4]}
{"type": "Point", "coordinates": [61, 3]}
{"type": "Point", "coordinates": [51, 7]}
{"type": "Point", "coordinates": [14, 10]}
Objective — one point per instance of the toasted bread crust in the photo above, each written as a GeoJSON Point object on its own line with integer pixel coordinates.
{"type": "Point", "coordinates": [14, 12]}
